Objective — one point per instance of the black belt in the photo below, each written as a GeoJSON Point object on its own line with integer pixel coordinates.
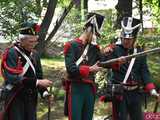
{"type": "Point", "coordinates": [130, 88]}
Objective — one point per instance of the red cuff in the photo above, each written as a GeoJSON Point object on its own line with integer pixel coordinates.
{"type": "Point", "coordinates": [149, 87]}
{"type": "Point", "coordinates": [98, 47]}
{"type": "Point", "coordinates": [84, 70]}
{"type": "Point", "coordinates": [115, 66]}
{"type": "Point", "coordinates": [102, 98]}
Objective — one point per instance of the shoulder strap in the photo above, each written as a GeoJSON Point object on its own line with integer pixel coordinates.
{"type": "Point", "coordinates": [28, 63]}
{"type": "Point", "coordinates": [83, 55]}
{"type": "Point", "coordinates": [130, 67]}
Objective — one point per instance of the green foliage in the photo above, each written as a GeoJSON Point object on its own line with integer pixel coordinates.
{"type": "Point", "coordinates": [1, 79]}
{"type": "Point", "coordinates": [75, 26]}
{"type": "Point", "coordinates": [63, 3]}
{"type": "Point", "coordinates": [155, 10]}
{"type": "Point", "coordinates": [14, 12]}
{"type": "Point", "coordinates": [9, 17]}
{"type": "Point", "coordinates": [149, 41]}
{"type": "Point", "coordinates": [108, 32]}
{"type": "Point", "coordinates": [154, 65]}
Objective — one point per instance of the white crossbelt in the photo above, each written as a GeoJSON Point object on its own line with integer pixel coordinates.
{"type": "Point", "coordinates": [28, 62]}
{"type": "Point", "coordinates": [130, 67]}
{"type": "Point", "coordinates": [25, 67]}
{"type": "Point", "coordinates": [83, 55]}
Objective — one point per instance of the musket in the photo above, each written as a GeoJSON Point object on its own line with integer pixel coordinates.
{"type": "Point", "coordinates": [156, 107]}
{"type": "Point", "coordinates": [129, 57]}
{"type": "Point", "coordinates": [49, 103]}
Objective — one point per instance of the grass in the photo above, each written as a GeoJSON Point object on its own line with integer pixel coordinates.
{"type": "Point", "coordinates": [56, 63]}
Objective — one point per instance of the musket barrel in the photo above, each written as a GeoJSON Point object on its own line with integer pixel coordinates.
{"type": "Point", "coordinates": [147, 52]}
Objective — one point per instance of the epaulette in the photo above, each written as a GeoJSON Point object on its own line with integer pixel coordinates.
{"type": "Point", "coordinates": [67, 45]}
{"type": "Point", "coordinates": [16, 70]}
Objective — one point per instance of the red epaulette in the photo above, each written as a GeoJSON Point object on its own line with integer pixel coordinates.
{"type": "Point", "coordinates": [149, 87]}
{"type": "Point", "coordinates": [17, 70]}
{"type": "Point", "coordinates": [78, 40]}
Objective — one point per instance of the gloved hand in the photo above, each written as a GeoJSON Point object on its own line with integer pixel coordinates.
{"type": "Point", "coordinates": [154, 93]}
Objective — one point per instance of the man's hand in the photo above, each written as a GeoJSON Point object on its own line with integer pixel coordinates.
{"type": "Point", "coordinates": [95, 68]}
{"type": "Point", "coordinates": [154, 93]}
{"type": "Point", "coordinates": [44, 83]}
{"type": "Point", "coordinates": [121, 60]}
{"type": "Point", "coordinates": [109, 49]}
{"type": "Point", "coordinates": [102, 99]}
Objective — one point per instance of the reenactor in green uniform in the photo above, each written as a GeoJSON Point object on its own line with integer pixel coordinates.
{"type": "Point", "coordinates": [81, 56]}
{"type": "Point", "coordinates": [22, 71]}
{"type": "Point", "coordinates": [131, 74]}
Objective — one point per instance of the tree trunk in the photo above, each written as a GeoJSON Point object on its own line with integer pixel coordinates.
{"type": "Point", "coordinates": [59, 21]}
{"type": "Point", "coordinates": [84, 9]}
{"type": "Point", "coordinates": [124, 9]}
{"type": "Point", "coordinates": [86, 5]}
{"type": "Point", "coordinates": [141, 12]}
{"type": "Point", "coordinates": [45, 26]}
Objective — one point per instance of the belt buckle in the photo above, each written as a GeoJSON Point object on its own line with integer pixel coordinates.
{"type": "Point", "coordinates": [129, 88]}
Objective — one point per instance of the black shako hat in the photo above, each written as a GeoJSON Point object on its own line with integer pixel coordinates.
{"type": "Point", "coordinates": [29, 28]}
{"type": "Point", "coordinates": [95, 21]}
{"type": "Point", "coordinates": [130, 27]}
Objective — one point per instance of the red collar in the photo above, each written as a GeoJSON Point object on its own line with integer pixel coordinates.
{"type": "Point", "coordinates": [78, 40]}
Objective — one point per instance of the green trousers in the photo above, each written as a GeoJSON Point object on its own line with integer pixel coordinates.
{"type": "Point", "coordinates": [81, 101]}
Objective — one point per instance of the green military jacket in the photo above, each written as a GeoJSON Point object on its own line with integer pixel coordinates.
{"type": "Point", "coordinates": [72, 52]}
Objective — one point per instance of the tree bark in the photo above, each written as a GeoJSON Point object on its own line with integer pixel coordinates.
{"type": "Point", "coordinates": [45, 26]}
{"type": "Point", "coordinates": [86, 5]}
{"type": "Point", "coordinates": [141, 12]}
{"type": "Point", "coordinates": [84, 9]}
{"type": "Point", "coordinates": [124, 9]}
{"type": "Point", "coordinates": [59, 21]}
